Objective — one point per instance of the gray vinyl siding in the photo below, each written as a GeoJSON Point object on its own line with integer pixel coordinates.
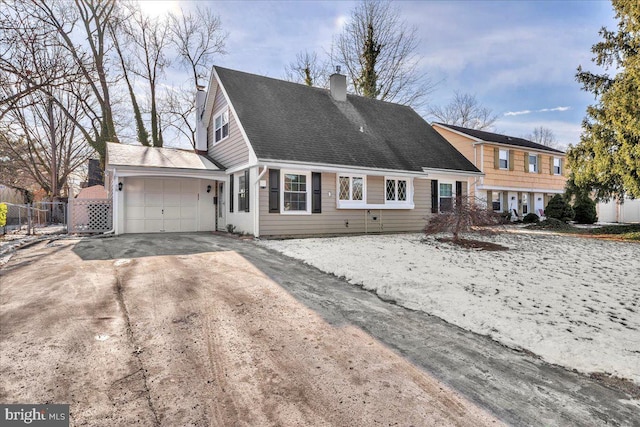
{"type": "Point", "coordinates": [334, 221]}
{"type": "Point", "coordinates": [232, 151]}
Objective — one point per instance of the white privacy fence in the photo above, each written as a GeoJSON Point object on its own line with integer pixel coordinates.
{"type": "Point", "coordinates": [90, 215]}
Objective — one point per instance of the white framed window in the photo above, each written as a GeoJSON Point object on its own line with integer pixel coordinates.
{"type": "Point", "coordinates": [496, 201]}
{"type": "Point", "coordinates": [397, 191]}
{"type": "Point", "coordinates": [351, 189]}
{"type": "Point", "coordinates": [221, 126]}
{"type": "Point", "coordinates": [533, 163]}
{"type": "Point", "coordinates": [557, 166]}
{"type": "Point", "coordinates": [296, 192]}
{"type": "Point", "coordinates": [446, 197]}
{"type": "Point", "coordinates": [503, 159]}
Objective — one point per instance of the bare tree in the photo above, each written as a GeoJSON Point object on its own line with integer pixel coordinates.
{"type": "Point", "coordinates": [543, 136]}
{"type": "Point", "coordinates": [76, 33]}
{"type": "Point", "coordinates": [465, 215]}
{"type": "Point", "coordinates": [43, 143]}
{"type": "Point", "coordinates": [179, 109]}
{"type": "Point", "coordinates": [198, 38]}
{"type": "Point", "coordinates": [378, 50]}
{"type": "Point", "coordinates": [464, 110]}
{"type": "Point", "coordinates": [147, 40]}
{"type": "Point", "coordinates": [29, 59]}
{"type": "Point", "coordinates": [308, 69]}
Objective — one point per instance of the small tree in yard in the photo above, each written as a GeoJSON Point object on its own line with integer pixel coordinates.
{"type": "Point", "coordinates": [463, 217]}
{"type": "Point", "coordinates": [558, 208]}
{"type": "Point", "coordinates": [585, 210]}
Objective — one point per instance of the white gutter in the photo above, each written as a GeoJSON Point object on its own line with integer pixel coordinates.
{"type": "Point", "coordinates": [114, 204]}
{"type": "Point", "coordinates": [256, 202]}
{"type": "Point", "coordinates": [322, 167]}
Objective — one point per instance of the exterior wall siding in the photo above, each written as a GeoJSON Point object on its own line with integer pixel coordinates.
{"type": "Point", "coordinates": [517, 177]}
{"type": "Point", "coordinates": [462, 144]}
{"type": "Point", "coordinates": [232, 151]}
{"type": "Point", "coordinates": [344, 221]}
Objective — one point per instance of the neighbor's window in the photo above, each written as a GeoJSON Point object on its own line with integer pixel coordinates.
{"type": "Point", "coordinates": [351, 188]}
{"type": "Point", "coordinates": [295, 192]}
{"type": "Point", "coordinates": [496, 200]}
{"type": "Point", "coordinates": [396, 190]}
{"type": "Point", "coordinates": [557, 166]}
{"type": "Point", "coordinates": [221, 126]}
{"type": "Point", "coordinates": [533, 163]}
{"type": "Point", "coordinates": [242, 196]}
{"type": "Point", "coordinates": [504, 159]}
{"type": "Point", "coordinates": [446, 197]}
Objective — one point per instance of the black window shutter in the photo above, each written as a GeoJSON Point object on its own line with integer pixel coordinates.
{"type": "Point", "coordinates": [231, 195]}
{"type": "Point", "coordinates": [246, 190]}
{"type": "Point", "coordinates": [316, 200]}
{"type": "Point", "coordinates": [274, 191]}
{"type": "Point", "coordinates": [434, 196]}
{"type": "Point", "coordinates": [458, 192]}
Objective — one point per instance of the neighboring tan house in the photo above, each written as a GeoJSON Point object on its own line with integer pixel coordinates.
{"type": "Point", "coordinates": [276, 158]}
{"type": "Point", "coordinates": [520, 176]}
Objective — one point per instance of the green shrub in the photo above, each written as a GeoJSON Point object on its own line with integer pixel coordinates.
{"type": "Point", "coordinates": [531, 218]}
{"type": "Point", "coordinates": [585, 210]}
{"type": "Point", "coordinates": [3, 214]}
{"type": "Point", "coordinates": [558, 208]}
{"type": "Point", "coordinates": [553, 224]}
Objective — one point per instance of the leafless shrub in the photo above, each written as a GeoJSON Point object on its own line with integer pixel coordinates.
{"type": "Point", "coordinates": [465, 216]}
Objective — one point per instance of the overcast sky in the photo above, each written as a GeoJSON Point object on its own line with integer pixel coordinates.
{"type": "Point", "coordinates": [518, 57]}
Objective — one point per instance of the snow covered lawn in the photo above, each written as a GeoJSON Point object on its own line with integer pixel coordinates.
{"type": "Point", "coordinates": [573, 301]}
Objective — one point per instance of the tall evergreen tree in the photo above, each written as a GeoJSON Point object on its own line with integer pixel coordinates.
{"type": "Point", "coordinates": [607, 159]}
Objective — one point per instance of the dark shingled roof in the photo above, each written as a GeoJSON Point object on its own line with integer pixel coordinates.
{"type": "Point", "coordinates": [293, 122]}
{"type": "Point", "coordinates": [501, 139]}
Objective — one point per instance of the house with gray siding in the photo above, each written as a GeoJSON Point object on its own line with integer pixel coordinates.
{"type": "Point", "coordinates": [275, 158]}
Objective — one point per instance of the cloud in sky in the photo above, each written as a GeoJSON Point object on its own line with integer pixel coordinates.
{"type": "Point", "coordinates": [542, 110]}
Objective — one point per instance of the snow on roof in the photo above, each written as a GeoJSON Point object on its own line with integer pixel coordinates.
{"type": "Point", "coordinates": [155, 157]}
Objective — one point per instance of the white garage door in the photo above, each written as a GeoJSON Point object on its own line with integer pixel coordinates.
{"type": "Point", "coordinates": [153, 205]}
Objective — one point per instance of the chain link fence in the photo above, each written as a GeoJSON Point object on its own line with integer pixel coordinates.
{"type": "Point", "coordinates": [34, 215]}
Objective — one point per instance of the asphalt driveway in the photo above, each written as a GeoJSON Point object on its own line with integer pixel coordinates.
{"type": "Point", "coordinates": [206, 330]}
{"type": "Point", "coordinates": [184, 330]}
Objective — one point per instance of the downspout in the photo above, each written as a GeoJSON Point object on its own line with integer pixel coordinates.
{"type": "Point", "coordinates": [114, 204]}
{"type": "Point", "coordinates": [256, 202]}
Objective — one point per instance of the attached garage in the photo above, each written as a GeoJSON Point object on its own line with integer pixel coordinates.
{"type": "Point", "coordinates": [160, 205]}
{"type": "Point", "coordinates": [157, 190]}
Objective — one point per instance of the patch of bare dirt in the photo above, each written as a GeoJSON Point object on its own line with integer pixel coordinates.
{"type": "Point", "coordinates": [474, 244]}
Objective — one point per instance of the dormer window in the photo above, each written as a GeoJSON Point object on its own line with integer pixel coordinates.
{"type": "Point", "coordinates": [221, 126]}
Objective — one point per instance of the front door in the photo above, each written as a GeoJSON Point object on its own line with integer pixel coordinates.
{"type": "Point", "coordinates": [221, 207]}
